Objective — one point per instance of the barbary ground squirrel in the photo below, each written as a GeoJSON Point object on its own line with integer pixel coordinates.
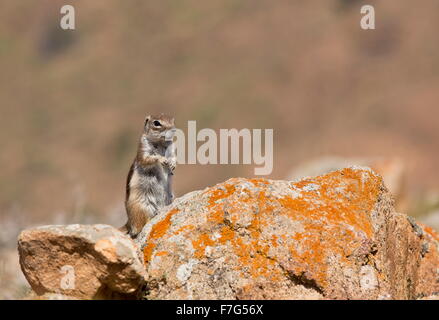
{"type": "Point", "coordinates": [149, 180]}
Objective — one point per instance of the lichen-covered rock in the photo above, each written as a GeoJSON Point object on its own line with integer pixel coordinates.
{"type": "Point", "coordinates": [393, 171]}
{"type": "Point", "coordinates": [335, 236]}
{"type": "Point", "coordinates": [49, 296]}
{"type": "Point", "coordinates": [80, 261]}
{"type": "Point", "coordinates": [428, 271]}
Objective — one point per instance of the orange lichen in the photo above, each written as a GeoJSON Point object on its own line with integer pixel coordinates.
{"type": "Point", "coordinates": [326, 215]}
{"type": "Point", "coordinates": [216, 215]}
{"type": "Point", "coordinates": [274, 241]}
{"type": "Point", "coordinates": [184, 229]}
{"type": "Point", "coordinates": [430, 231]}
{"type": "Point", "coordinates": [161, 253]}
{"type": "Point", "coordinates": [201, 243]}
{"type": "Point", "coordinates": [158, 230]}
{"type": "Point", "coordinates": [258, 182]}
{"type": "Point", "coordinates": [359, 199]}
{"type": "Point", "coordinates": [147, 252]}
{"type": "Point", "coordinates": [219, 194]}
{"type": "Point", "coordinates": [333, 211]}
{"type": "Point", "coordinates": [253, 254]}
{"type": "Point", "coordinates": [253, 259]}
{"type": "Point", "coordinates": [226, 234]}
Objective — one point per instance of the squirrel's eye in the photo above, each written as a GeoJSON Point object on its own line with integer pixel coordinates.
{"type": "Point", "coordinates": [157, 123]}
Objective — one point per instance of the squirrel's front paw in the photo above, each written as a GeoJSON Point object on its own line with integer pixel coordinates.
{"type": "Point", "coordinates": [171, 165]}
{"type": "Point", "coordinates": [163, 161]}
{"type": "Point", "coordinates": [168, 163]}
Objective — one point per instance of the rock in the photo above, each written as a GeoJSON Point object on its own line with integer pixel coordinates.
{"type": "Point", "coordinates": [392, 170]}
{"type": "Point", "coordinates": [336, 236]}
{"type": "Point", "coordinates": [428, 270]}
{"type": "Point", "coordinates": [80, 261]}
{"type": "Point", "coordinates": [433, 297]}
{"type": "Point", "coordinates": [49, 296]}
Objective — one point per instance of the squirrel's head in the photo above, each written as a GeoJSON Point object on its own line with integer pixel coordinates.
{"type": "Point", "coordinates": [159, 128]}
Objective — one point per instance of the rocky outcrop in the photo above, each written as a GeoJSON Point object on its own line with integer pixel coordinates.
{"type": "Point", "coordinates": [80, 261]}
{"type": "Point", "coordinates": [336, 236]}
{"type": "Point", "coordinates": [393, 171]}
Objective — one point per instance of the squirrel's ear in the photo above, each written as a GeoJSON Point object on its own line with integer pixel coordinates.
{"type": "Point", "coordinates": [146, 121]}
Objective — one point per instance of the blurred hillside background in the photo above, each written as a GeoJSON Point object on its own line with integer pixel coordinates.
{"type": "Point", "coordinates": [73, 102]}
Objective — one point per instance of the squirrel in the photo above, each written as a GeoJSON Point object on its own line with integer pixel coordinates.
{"type": "Point", "coordinates": [149, 181]}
